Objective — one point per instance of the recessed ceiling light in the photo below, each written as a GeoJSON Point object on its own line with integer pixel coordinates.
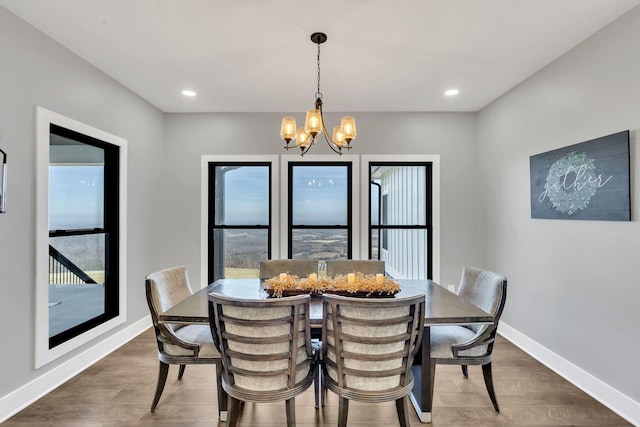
{"type": "Point", "coordinates": [187, 92]}
{"type": "Point", "coordinates": [452, 92]}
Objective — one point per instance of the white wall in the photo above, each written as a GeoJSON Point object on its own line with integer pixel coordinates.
{"type": "Point", "coordinates": [573, 285]}
{"type": "Point", "coordinates": [451, 135]}
{"type": "Point", "coordinates": [35, 71]}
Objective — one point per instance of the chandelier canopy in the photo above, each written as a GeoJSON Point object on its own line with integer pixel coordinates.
{"type": "Point", "coordinates": [305, 137]}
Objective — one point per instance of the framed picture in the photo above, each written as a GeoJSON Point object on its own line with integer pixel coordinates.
{"type": "Point", "coordinates": [589, 180]}
{"type": "Point", "coordinates": [3, 181]}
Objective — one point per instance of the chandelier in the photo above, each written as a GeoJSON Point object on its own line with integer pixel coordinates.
{"type": "Point", "coordinates": [305, 137]}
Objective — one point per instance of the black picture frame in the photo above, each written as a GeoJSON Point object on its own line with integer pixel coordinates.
{"type": "Point", "coordinates": [3, 182]}
{"type": "Point", "coordinates": [584, 181]}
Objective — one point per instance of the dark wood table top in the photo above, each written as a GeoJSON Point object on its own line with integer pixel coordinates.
{"type": "Point", "coordinates": [442, 306]}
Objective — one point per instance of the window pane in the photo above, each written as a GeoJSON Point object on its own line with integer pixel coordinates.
{"type": "Point", "coordinates": [375, 242]}
{"type": "Point", "coordinates": [74, 263]}
{"type": "Point", "coordinates": [405, 253]}
{"type": "Point", "coordinates": [242, 195]}
{"type": "Point", "coordinates": [320, 244]}
{"type": "Point", "coordinates": [242, 251]}
{"type": "Point", "coordinates": [404, 194]}
{"type": "Point", "coordinates": [319, 195]}
{"type": "Point", "coordinates": [76, 196]}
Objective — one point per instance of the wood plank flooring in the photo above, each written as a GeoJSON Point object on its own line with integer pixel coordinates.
{"type": "Point", "coordinates": [117, 391]}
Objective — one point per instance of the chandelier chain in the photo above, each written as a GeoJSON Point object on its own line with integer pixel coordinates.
{"type": "Point", "coordinates": [318, 93]}
{"type": "Point", "coordinates": [305, 137]}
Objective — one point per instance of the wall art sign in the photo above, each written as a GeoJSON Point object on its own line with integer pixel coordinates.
{"type": "Point", "coordinates": [589, 180]}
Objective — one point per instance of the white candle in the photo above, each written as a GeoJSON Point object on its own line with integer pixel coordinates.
{"type": "Point", "coordinates": [313, 277]}
{"type": "Point", "coordinates": [351, 278]}
{"type": "Point", "coordinates": [380, 278]}
{"type": "Point", "coordinates": [283, 276]}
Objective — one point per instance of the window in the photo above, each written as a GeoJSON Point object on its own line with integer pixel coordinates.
{"type": "Point", "coordinates": [400, 218]}
{"type": "Point", "coordinates": [81, 228]}
{"type": "Point", "coordinates": [83, 233]}
{"type": "Point", "coordinates": [240, 218]}
{"type": "Point", "coordinates": [320, 210]}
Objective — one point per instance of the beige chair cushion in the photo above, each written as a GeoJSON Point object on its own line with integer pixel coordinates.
{"type": "Point", "coordinates": [369, 383]}
{"type": "Point", "coordinates": [442, 337]}
{"type": "Point", "coordinates": [301, 268]}
{"type": "Point", "coordinates": [170, 287]}
{"type": "Point", "coordinates": [252, 382]}
{"type": "Point", "coordinates": [346, 266]}
{"type": "Point", "coordinates": [482, 289]}
{"type": "Point", "coordinates": [198, 334]}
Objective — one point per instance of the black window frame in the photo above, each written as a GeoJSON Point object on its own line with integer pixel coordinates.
{"type": "Point", "coordinates": [291, 227]}
{"type": "Point", "coordinates": [111, 230]}
{"type": "Point", "coordinates": [382, 228]}
{"type": "Point", "coordinates": [215, 268]}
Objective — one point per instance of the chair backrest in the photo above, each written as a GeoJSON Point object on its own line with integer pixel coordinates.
{"type": "Point", "coordinates": [369, 343]}
{"type": "Point", "coordinates": [486, 290]}
{"type": "Point", "coordinates": [166, 288]}
{"type": "Point", "coordinates": [299, 267]}
{"type": "Point", "coordinates": [258, 339]}
{"type": "Point", "coordinates": [346, 266]}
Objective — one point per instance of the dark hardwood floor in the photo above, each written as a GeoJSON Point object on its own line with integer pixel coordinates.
{"type": "Point", "coordinates": [117, 391]}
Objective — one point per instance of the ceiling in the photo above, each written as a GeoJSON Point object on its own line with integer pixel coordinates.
{"type": "Point", "coordinates": [381, 55]}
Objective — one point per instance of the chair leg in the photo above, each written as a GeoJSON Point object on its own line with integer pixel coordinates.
{"type": "Point", "coordinates": [181, 371]}
{"type": "Point", "coordinates": [163, 371]}
{"type": "Point", "coordinates": [222, 395]}
{"type": "Point", "coordinates": [402, 407]}
{"type": "Point", "coordinates": [465, 371]}
{"type": "Point", "coordinates": [291, 412]}
{"type": "Point", "coordinates": [234, 409]}
{"type": "Point", "coordinates": [488, 381]}
{"type": "Point", "coordinates": [343, 411]}
{"type": "Point", "coordinates": [316, 386]}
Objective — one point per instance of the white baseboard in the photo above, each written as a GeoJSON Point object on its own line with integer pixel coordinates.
{"type": "Point", "coordinates": [34, 390]}
{"type": "Point", "coordinates": [618, 402]}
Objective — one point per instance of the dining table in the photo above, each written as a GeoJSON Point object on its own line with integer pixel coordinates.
{"type": "Point", "coordinates": [442, 307]}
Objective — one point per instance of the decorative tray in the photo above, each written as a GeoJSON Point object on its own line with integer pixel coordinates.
{"type": "Point", "coordinates": [352, 285]}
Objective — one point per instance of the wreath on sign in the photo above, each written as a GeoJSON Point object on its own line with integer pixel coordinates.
{"type": "Point", "coordinates": [575, 196]}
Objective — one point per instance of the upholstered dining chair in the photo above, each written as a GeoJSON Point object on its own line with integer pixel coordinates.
{"type": "Point", "coordinates": [473, 344]}
{"type": "Point", "coordinates": [368, 347]}
{"type": "Point", "coordinates": [298, 267]}
{"type": "Point", "coordinates": [346, 266]}
{"type": "Point", "coordinates": [266, 350]}
{"type": "Point", "coordinates": [179, 344]}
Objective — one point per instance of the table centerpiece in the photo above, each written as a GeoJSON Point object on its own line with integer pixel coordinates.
{"type": "Point", "coordinates": [353, 284]}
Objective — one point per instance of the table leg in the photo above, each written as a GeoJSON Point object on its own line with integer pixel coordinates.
{"type": "Point", "coordinates": [423, 375]}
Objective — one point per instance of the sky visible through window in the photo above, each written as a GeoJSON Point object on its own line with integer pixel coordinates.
{"type": "Point", "coordinates": [76, 195]}
{"type": "Point", "coordinates": [319, 195]}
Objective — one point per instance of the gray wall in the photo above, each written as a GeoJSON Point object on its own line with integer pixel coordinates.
{"type": "Point", "coordinates": [451, 135]}
{"type": "Point", "coordinates": [573, 284]}
{"type": "Point", "coordinates": [34, 70]}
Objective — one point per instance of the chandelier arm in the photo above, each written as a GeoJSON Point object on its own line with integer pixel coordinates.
{"type": "Point", "coordinates": [305, 149]}
{"type": "Point", "coordinates": [330, 142]}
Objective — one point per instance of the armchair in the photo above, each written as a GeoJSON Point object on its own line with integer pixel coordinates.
{"type": "Point", "coordinates": [472, 345]}
{"type": "Point", "coordinates": [179, 344]}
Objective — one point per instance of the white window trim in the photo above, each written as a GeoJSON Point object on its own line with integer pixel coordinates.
{"type": "Point", "coordinates": [204, 204]}
{"type": "Point", "coordinates": [355, 189]}
{"type": "Point", "coordinates": [434, 159]}
{"type": "Point", "coordinates": [43, 354]}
